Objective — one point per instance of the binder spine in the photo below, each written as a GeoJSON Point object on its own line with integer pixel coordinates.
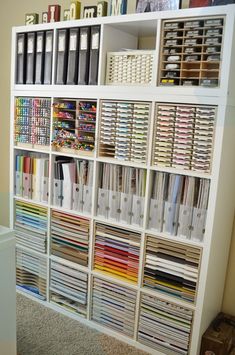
{"type": "Point", "coordinates": [21, 59]}
{"type": "Point", "coordinates": [94, 55]}
{"type": "Point", "coordinates": [62, 57]}
{"type": "Point", "coordinates": [30, 66]}
{"type": "Point", "coordinates": [72, 73]}
{"type": "Point", "coordinates": [48, 57]}
{"type": "Point", "coordinates": [84, 48]}
{"type": "Point", "coordinates": [40, 56]}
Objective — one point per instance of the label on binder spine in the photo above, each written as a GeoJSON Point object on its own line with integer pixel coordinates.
{"type": "Point", "coordinates": [73, 43]}
{"type": "Point", "coordinates": [39, 45]}
{"type": "Point", "coordinates": [95, 41]}
{"type": "Point", "coordinates": [49, 45]}
{"type": "Point", "coordinates": [83, 44]}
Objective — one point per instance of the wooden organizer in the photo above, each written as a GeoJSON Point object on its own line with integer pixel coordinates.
{"type": "Point", "coordinates": [74, 124]}
{"type": "Point", "coordinates": [191, 51]}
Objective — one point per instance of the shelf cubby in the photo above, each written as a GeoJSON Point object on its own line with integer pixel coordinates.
{"type": "Point", "coordinates": [70, 237]}
{"type": "Point", "coordinates": [68, 288]}
{"type": "Point", "coordinates": [31, 225]}
{"type": "Point", "coordinates": [31, 273]}
{"type": "Point", "coordinates": [171, 268]}
{"type": "Point", "coordinates": [113, 306]}
{"type": "Point", "coordinates": [183, 47]}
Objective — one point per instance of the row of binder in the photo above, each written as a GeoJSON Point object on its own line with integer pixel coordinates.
{"type": "Point", "coordinates": [68, 288]}
{"type": "Point", "coordinates": [171, 268]}
{"type": "Point", "coordinates": [121, 194]}
{"type": "Point", "coordinates": [32, 121]}
{"type": "Point", "coordinates": [178, 205]}
{"type": "Point", "coordinates": [72, 184]}
{"type": "Point", "coordinates": [116, 252]}
{"type": "Point", "coordinates": [31, 176]}
{"type": "Point", "coordinates": [77, 56]}
{"type": "Point", "coordinates": [124, 130]}
{"type": "Point", "coordinates": [34, 53]}
{"type": "Point", "coordinates": [31, 226]}
{"type": "Point", "coordinates": [184, 136]}
{"type": "Point", "coordinates": [114, 306]}
{"type": "Point", "coordinates": [164, 326]}
{"type": "Point", "coordinates": [70, 237]}
{"type": "Point", "coordinates": [31, 273]}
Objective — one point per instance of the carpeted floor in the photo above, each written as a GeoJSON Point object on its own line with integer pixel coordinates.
{"type": "Point", "coordinates": [41, 331]}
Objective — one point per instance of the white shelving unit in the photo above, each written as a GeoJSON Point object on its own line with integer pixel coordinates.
{"type": "Point", "coordinates": [126, 32]}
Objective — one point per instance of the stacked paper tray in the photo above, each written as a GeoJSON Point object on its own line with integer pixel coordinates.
{"type": "Point", "coordinates": [183, 136]}
{"type": "Point", "coordinates": [116, 252]}
{"type": "Point", "coordinates": [70, 237]}
{"type": "Point", "coordinates": [164, 326]}
{"type": "Point", "coordinates": [68, 288]}
{"type": "Point", "coordinates": [172, 268]}
{"type": "Point", "coordinates": [124, 130]}
{"type": "Point", "coordinates": [130, 67]}
{"type": "Point", "coordinates": [31, 273]}
{"type": "Point", "coordinates": [31, 226]}
{"type": "Point", "coordinates": [114, 306]}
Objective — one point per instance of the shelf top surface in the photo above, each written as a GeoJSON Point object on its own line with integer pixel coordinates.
{"type": "Point", "coordinates": [132, 18]}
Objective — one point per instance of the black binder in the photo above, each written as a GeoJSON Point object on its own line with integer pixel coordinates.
{"type": "Point", "coordinates": [72, 74]}
{"type": "Point", "coordinates": [39, 66]}
{"type": "Point", "coordinates": [48, 57]}
{"type": "Point", "coordinates": [94, 55]}
{"type": "Point", "coordinates": [84, 52]}
{"type": "Point", "coordinates": [30, 66]}
{"type": "Point", "coordinates": [62, 56]}
{"type": "Point", "coordinates": [21, 59]}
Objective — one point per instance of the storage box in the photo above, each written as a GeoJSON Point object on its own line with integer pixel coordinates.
{"type": "Point", "coordinates": [219, 338]}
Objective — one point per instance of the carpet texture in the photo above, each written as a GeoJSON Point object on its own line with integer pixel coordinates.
{"type": "Point", "coordinates": [42, 331]}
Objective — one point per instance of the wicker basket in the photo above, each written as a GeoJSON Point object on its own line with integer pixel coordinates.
{"type": "Point", "coordinates": [130, 67]}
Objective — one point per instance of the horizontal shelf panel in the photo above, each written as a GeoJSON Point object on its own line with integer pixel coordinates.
{"type": "Point", "coordinates": [181, 172]}
{"type": "Point", "coordinates": [32, 149]}
{"type": "Point", "coordinates": [75, 156]}
{"type": "Point", "coordinates": [121, 162]}
{"type": "Point", "coordinates": [134, 93]}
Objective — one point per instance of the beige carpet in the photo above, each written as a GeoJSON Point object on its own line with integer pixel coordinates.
{"type": "Point", "coordinates": [41, 331]}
